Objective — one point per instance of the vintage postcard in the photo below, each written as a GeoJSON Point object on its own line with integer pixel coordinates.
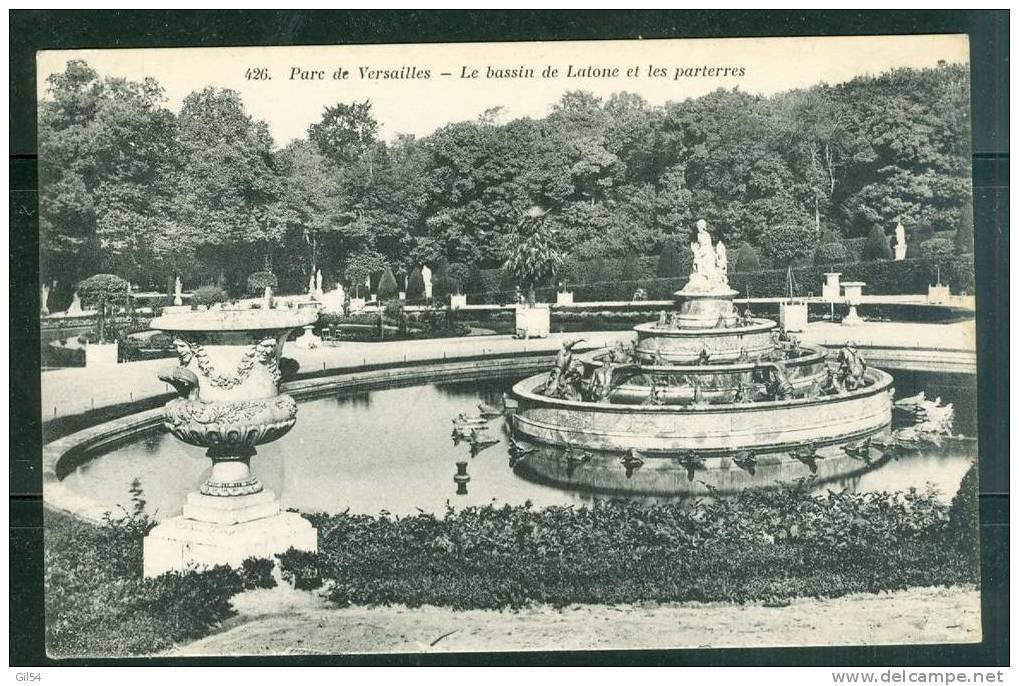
{"type": "Point", "coordinates": [522, 346]}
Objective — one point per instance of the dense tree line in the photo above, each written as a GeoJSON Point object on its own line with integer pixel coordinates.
{"type": "Point", "coordinates": [132, 188]}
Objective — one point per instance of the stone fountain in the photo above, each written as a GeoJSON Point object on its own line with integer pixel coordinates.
{"type": "Point", "coordinates": [700, 385]}
{"type": "Point", "coordinates": [228, 402]}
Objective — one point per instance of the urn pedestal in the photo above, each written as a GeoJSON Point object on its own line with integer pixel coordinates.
{"type": "Point", "coordinates": [228, 403]}
{"type": "Point", "coordinates": [532, 321]}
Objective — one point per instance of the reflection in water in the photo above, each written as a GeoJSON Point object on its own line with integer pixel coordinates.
{"type": "Point", "coordinates": [390, 449]}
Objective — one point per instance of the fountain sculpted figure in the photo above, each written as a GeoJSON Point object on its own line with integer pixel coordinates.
{"type": "Point", "coordinates": [710, 270]}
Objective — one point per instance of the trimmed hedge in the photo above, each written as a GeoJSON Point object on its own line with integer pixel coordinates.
{"type": "Point", "coordinates": [98, 604]}
{"type": "Point", "coordinates": [755, 546]}
{"type": "Point", "coordinates": [885, 277]}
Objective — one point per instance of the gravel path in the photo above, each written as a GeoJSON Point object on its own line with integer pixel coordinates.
{"type": "Point", "coordinates": [283, 621]}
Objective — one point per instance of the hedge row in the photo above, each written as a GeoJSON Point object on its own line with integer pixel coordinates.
{"type": "Point", "coordinates": [753, 547]}
{"type": "Point", "coordinates": [883, 277]}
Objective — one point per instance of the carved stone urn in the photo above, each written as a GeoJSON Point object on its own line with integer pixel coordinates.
{"type": "Point", "coordinates": [228, 402]}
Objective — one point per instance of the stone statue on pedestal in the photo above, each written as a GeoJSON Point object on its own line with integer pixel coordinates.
{"type": "Point", "coordinates": [44, 299]}
{"type": "Point", "coordinates": [900, 242]}
{"type": "Point", "coordinates": [75, 308]}
{"type": "Point", "coordinates": [178, 288]}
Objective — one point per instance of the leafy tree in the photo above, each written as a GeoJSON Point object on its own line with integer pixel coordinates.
{"type": "Point", "coordinates": [360, 266]}
{"type": "Point", "coordinates": [670, 264]}
{"type": "Point", "coordinates": [107, 157]}
{"type": "Point", "coordinates": [387, 285]}
{"type": "Point", "coordinates": [103, 291]}
{"type": "Point", "coordinates": [415, 285]}
{"type": "Point", "coordinates": [475, 282]}
{"type": "Point", "coordinates": [964, 232]}
{"type": "Point", "coordinates": [458, 273]}
{"type": "Point", "coordinates": [230, 196]}
{"type": "Point", "coordinates": [788, 243]}
{"type": "Point", "coordinates": [876, 246]}
{"type": "Point", "coordinates": [258, 281]}
{"type": "Point", "coordinates": [346, 133]}
{"type": "Point", "coordinates": [535, 258]}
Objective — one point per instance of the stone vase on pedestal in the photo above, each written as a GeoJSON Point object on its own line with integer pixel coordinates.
{"type": "Point", "coordinates": [532, 321]}
{"type": "Point", "coordinates": [228, 403]}
{"type": "Point", "coordinates": [854, 294]}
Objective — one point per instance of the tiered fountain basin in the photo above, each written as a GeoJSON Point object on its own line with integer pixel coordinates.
{"type": "Point", "coordinates": [712, 430]}
{"type": "Point", "coordinates": [665, 476]}
{"type": "Point", "coordinates": [717, 382]}
{"type": "Point", "coordinates": [686, 345]}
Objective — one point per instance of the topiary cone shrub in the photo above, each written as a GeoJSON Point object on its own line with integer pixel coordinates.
{"type": "Point", "coordinates": [964, 232]}
{"type": "Point", "coordinates": [876, 246]}
{"type": "Point", "coordinates": [387, 285]}
{"type": "Point", "coordinates": [415, 285]}
{"type": "Point", "coordinates": [747, 259]}
{"type": "Point", "coordinates": [670, 262]}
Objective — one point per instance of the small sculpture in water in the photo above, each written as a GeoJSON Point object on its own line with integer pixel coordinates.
{"type": "Point", "coordinates": [632, 461]}
{"type": "Point", "coordinates": [852, 367]}
{"type": "Point", "coordinates": [808, 455]}
{"type": "Point", "coordinates": [601, 381]}
{"type": "Point", "coordinates": [746, 460]}
{"type": "Point", "coordinates": [690, 461]}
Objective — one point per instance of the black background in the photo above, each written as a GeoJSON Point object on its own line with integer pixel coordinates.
{"type": "Point", "coordinates": [988, 31]}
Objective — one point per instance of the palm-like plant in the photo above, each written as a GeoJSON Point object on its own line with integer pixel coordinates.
{"type": "Point", "coordinates": [534, 258]}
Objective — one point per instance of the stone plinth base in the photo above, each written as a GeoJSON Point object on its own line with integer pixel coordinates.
{"type": "Point", "coordinates": [564, 298]}
{"type": "Point", "coordinates": [532, 322]}
{"type": "Point", "coordinates": [853, 318]}
{"type": "Point", "coordinates": [938, 295]}
{"type": "Point", "coordinates": [308, 339]}
{"type": "Point", "coordinates": [225, 531]}
{"type": "Point", "coordinates": [792, 316]}
{"type": "Point", "coordinates": [457, 301]}
{"type": "Point", "coordinates": [100, 354]}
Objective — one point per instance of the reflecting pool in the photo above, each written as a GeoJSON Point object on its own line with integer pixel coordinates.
{"type": "Point", "coordinates": [390, 449]}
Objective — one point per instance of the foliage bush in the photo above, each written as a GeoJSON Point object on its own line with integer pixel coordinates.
{"type": "Point", "coordinates": [758, 545]}
{"type": "Point", "coordinates": [831, 253]}
{"type": "Point", "coordinates": [937, 247]}
{"type": "Point", "coordinates": [964, 233]}
{"type": "Point", "coordinates": [964, 513]}
{"type": "Point", "coordinates": [256, 572]}
{"type": "Point", "coordinates": [53, 356]}
{"type": "Point", "coordinates": [258, 281]}
{"type": "Point", "coordinates": [98, 604]}
{"type": "Point", "coordinates": [876, 247]}
{"type": "Point", "coordinates": [208, 295]}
